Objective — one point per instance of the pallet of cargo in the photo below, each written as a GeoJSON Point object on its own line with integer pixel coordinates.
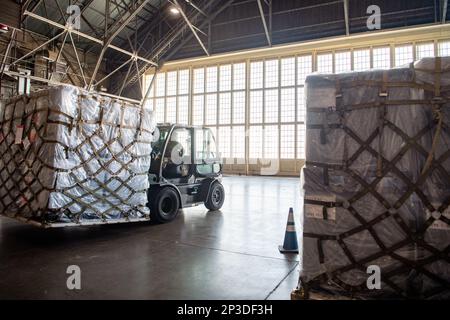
{"type": "Point", "coordinates": [377, 182]}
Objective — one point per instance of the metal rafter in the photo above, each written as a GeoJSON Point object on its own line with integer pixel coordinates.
{"type": "Point", "coordinates": [191, 26]}
{"type": "Point", "coordinates": [111, 37]}
{"type": "Point", "coordinates": [346, 17]}
{"type": "Point", "coordinates": [444, 6]}
{"type": "Point", "coordinates": [263, 18]}
{"type": "Point", "coordinates": [86, 36]}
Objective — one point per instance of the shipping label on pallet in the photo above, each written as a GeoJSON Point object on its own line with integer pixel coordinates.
{"type": "Point", "coordinates": [320, 207]}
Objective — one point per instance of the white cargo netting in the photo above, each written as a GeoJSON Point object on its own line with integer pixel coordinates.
{"type": "Point", "coordinates": [377, 181]}
{"type": "Point", "coordinates": [67, 155]}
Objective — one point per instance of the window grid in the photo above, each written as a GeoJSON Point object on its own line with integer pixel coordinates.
{"type": "Point", "coordinates": [211, 79]}
{"type": "Point", "coordinates": [403, 55]}
{"type": "Point", "coordinates": [225, 77]}
{"type": "Point", "coordinates": [211, 109]}
{"type": "Point", "coordinates": [343, 61]}
{"type": "Point", "coordinates": [198, 109]}
{"type": "Point", "coordinates": [238, 138]}
{"type": "Point", "coordinates": [171, 110]}
{"type": "Point", "coordinates": [325, 63]}
{"type": "Point", "coordinates": [287, 107]}
{"type": "Point", "coordinates": [271, 73]}
{"type": "Point", "coordinates": [256, 74]}
{"type": "Point", "coordinates": [444, 48]}
{"type": "Point", "coordinates": [238, 107]}
{"type": "Point", "coordinates": [225, 108]}
{"type": "Point", "coordinates": [271, 106]}
{"type": "Point", "coordinates": [287, 140]}
{"type": "Point", "coordinates": [239, 76]}
{"type": "Point", "coordinates": [424, 50]}
{"type": "Point", "coordinates": [256, 106]}
{"type": "Point", "coordinates": [304, 68]}
{"type": "Point", "coordinates": [381, 58]}
{"type": "Point", "coordinates": [288, 72]}
{"type": "Point", "coordinates": [270, 142]}
{"type": "Point", "coordinates": [171, 83]}
{"type": "Point", "coordinates": [361, 60]}
{"type": "Point", "coordinates": [183, 109]}
{"type": "Point", "coordinates": [224, 142]}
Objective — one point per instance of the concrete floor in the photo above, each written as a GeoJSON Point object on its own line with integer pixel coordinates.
{"type": "Point", "coordinates": [229, 254]}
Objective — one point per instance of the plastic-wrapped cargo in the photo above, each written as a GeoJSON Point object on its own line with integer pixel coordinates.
{"type": "Point", "coordinates": [377, 182]}
{"type": "Point", "coordinates": [72, 157]}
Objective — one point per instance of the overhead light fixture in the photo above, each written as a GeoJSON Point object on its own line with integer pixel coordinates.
{"type": "Point", "coordinates": [174, 11]}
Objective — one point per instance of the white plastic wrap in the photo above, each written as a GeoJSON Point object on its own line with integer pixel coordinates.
{"type": "Point", "coordinates": [81, 156]}
{"type": "Point", "coordinates": [359, 213]}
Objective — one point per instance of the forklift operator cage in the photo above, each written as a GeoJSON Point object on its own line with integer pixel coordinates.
{"type": "Point", "coordinates": [69, 157]}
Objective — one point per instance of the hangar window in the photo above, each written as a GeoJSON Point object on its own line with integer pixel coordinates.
{"type": "Point", "coordinates": [198, 110]}
{"type": "Point", "coordinates": [271, 106]}
{"type": "Point", "coordinates": [301, 109]}
{"type": "Point", "coordinates": [211, 109]}
{"type": "Point", "coordinates": [238, 133]}
{"type": "Point", "coordinates": [361, 60]}
{"type": "Point", "coordinates": [403, 55]}
{"type": "Point", "coordinates": [183, 81]}
{"type": "Point", "coordinates": [211, 79]}
{"type": "Point", "coordinates": [171, 110]}
{"type": "Point", "coordinates": [238, 76]}
{"type": "Point", "coordinates": [271, 73]}
{"type": "Point", "coordinates": [288, 72]}
{"type": "Point", "coordinates": [199, 80]}
{"type": "Point", "coordinates": [256, 74]}
{"type": "Point", "coordinates": [325, 63]}
{"type": "Point", "coordinates": [183, 109]}
{"type": "Point", "coordinates": [304, 68]}
{"type": "Point", "coordinates": [381, 58]}
{"type": "Point", "coordinates": [225, 77]}
{"type": "Point", "coordinates": [343, 61]}
{"type": "Point", "coordinates": [239, 107]}
{"type": "Point", "coordinates": [256, 106]}
{"type": "Point", "coordinates": [224, 141]}
{"type": "Point", "coordinates": [287, 105]}
{"type": "Point", "coordinates": [160, 84]}
{"type": "Point", "coordinates": [171, 83]}
{"type": "Point", "coordinates": [287, 146]}
{"type": "Point", "coordinates": [159, 110]}
{"type": "Point", "coordinates": [444, 48]}
{"type": "Point", "coordinates": [270, 142]}
{"type": "Point", "coordinates": [225, 108]}
{"type": "Point", "coordinates": [424, 50]}
{"type": "Point", "coordinates": [255, 142]}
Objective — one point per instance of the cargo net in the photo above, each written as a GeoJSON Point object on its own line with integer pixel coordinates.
{"type": "Point", "coordinates": [377, 183]}
{"type": "Point", "coordinates": [70, 156]}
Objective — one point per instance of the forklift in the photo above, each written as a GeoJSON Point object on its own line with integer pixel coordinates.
{"type": "Point", "coordinates": [185, 171]}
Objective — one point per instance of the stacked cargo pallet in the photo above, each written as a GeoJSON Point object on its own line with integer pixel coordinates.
{"type": "Point", "coordinates": [72, 157]}
{"type": "Point", "coordinates": [377, 182]}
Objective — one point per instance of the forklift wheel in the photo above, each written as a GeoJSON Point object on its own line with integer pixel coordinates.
{"type": "Point", "coordinates": [216, 197]}
{"type": "Point", "coordinates": [165, 206]}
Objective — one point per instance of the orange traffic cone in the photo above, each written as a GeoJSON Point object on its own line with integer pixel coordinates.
{"type": "Point", "coordinates": [290, 244]}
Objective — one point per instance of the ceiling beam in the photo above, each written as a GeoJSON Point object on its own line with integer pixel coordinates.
{"type": "Point", "coordinates": [346, 17]}
{"type": "Point", "coordinates": [210, 18]}
{"type": "Point", "coordinates": [86, 36]}
{"type": "Point", "coordinates": [444, 6]}
{"type": "Point", "coordinates": [263, 18]}
{"type": "Point", "coordinates": [191, 26]}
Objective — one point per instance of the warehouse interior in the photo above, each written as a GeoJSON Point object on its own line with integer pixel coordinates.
{"type": "Point", "coordinates": [240, 69]}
